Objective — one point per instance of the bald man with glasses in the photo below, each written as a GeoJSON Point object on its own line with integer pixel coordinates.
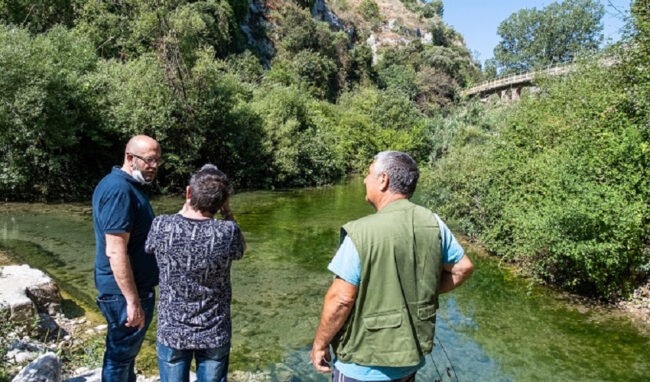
{"type": "Point", "coordinates": [125, 275]}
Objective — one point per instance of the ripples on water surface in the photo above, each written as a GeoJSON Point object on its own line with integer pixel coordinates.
{"type": "Point", "coordinates": [494, 328]}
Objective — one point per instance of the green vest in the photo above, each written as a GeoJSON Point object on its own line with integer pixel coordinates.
{"type": "Point", "coordinates": [394, 316]}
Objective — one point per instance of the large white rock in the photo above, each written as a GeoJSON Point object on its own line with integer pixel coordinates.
{"type": "Point", "coordinates": [46, 368]}
{"type": "Point", "coordinates": [25, 290]}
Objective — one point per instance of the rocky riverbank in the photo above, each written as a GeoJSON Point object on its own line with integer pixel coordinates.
{"type": "Point", "coordinates": [34, 324]}
{"type": "Point", "coordinates": [39, 341]}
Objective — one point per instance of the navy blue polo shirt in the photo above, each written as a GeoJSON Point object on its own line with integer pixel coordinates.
{"type": "Point", "coordinates": [121, 206]}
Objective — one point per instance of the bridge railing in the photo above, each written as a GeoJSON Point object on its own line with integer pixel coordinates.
{"type": "Point", "coordinates": [518, 78]}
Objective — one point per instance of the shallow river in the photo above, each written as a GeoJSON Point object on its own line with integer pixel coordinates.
{"type": "Point", "coordinates": [496, 327]}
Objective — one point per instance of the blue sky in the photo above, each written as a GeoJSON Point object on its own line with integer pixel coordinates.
{"type": "Point", "coordinates": [477, 20]}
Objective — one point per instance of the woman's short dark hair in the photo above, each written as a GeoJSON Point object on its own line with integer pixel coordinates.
{"type": "Point", "coordinates": [210, 188]}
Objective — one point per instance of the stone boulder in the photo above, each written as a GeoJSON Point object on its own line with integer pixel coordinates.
{"type": "Point", "coordinates": [24, 291]}
{"type": "Point", "coordinates": [46, 368]}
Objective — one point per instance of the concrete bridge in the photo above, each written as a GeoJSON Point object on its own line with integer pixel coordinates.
{"type": "Point", "coordinates": [511, 86]}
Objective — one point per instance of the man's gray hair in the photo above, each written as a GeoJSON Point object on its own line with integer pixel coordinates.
{"type": "Point", "coordinates": [402, 171]}
{"type": "Point", "coordinates": [210, 189]}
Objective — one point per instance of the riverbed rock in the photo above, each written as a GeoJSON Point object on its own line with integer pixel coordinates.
{"type": "Point", "coordinates": [155, 378]}
{"type": "Point", "coordinates": [49, 329]}
{"type": "Point", "coordinates": [249, 376]}
{"type": "Point", "coordinates": [24, 291]}
{"type": "Point", "coordinates": [20, 357]}
{"type": "Point", "coordinates": [97, 329]}
{"type": "Point", "coordinates": [46, 368]}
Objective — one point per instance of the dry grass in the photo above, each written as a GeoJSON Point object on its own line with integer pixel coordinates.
{"type": "Point", "coordinates": [4, 258]}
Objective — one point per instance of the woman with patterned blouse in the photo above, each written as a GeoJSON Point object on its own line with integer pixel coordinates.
{"type": "Point", "coordinates": [194, 252]}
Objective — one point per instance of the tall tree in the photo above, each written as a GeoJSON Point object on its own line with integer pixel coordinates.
{"type": "Point", "coordinates": [554, 34]}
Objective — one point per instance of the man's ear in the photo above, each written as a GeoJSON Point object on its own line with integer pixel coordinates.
{"type": "Point", "coordinates": [188, 192]}
{"type": "Point", "coordinates": [383, 182]}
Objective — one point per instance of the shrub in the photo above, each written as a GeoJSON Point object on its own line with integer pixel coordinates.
{"type": "Point", "coordinates": [372, 120]}
{"type": "Point", "coordinates": [369, 10]}
{"type": "Point", "coordinates": [299, 140]}
{"type": "Point", "coordinates": [432, 8]}
{"type": "Point", "coordinates": [48, 135]}
{"type": "Point", "coordinates": [558, 182]}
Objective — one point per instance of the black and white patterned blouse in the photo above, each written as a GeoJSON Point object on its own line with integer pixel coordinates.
{"type": "Point", "coordinates": [194, 258]}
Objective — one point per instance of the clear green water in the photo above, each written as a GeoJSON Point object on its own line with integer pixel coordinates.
{"type": "Point", "coordinates": [494, 328]}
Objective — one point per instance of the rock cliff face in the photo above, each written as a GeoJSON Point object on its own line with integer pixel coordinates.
{"type": "Point", "coordinates": [396, 24]}
{"type": "Point", "coordinates": [322, 12]}
{"type": "Point", "coordinates": [253, 27]}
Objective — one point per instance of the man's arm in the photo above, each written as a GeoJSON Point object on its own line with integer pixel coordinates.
{"type": "Point", "coordinates": [121, 266]}
{"type": "Point", "coordinates": [339, 302]}
{"type": "Point", "coordinates": [455, 274]}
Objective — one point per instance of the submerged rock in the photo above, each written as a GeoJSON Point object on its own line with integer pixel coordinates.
{"type": "Point", "coordinates": [24, 291]}
{"type": "Point", "coordinates": [46, 368]}
{"type": "Point", "coordinates": [249, 376]}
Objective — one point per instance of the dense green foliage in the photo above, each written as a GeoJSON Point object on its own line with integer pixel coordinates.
{"type": "Point", "coordinates": [49, 136]}
{"type": "Point", "coordinates": [554, 34]}
{"type": "Point", "coordinates": [427, 74]}
{"type": "Point", "coordinates": [559, 181]}
{"type": "Point", "coordinates": [80, 77]}
{"type": "Point", "coordinates": [369, 10]}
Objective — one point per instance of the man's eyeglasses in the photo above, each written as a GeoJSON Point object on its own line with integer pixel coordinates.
{"type": "Point", "coordinates": [149, 160]}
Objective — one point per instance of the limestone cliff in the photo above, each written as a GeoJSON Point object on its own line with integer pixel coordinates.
{"type": "Point", "coordinates": [378, 23]}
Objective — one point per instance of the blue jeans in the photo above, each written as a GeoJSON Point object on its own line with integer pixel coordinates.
{"type": "Point", "coordinates": [122, 343]}
{"type": "Point", "coordinates": [211, 364]}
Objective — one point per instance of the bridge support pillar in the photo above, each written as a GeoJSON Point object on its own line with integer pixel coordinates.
{"type": "Point", "coordinates": [502, 94]}
{"type": "Point", "coordinates": [515, 94]}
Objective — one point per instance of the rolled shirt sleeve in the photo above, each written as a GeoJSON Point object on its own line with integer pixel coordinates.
{"type": "Point", "coordinates": [346, 264]}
